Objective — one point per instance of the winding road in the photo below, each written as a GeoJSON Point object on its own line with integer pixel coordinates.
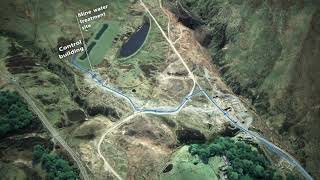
{"type": "Point", "coordinates": [106, 163]}
{"type": "Point", "coordinates": [262, 140]}
{"type": "Point", "coordinates": [281, 153]}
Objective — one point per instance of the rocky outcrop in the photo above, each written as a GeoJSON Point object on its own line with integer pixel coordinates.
{"type": "Point", "coordinates": [268, 51]}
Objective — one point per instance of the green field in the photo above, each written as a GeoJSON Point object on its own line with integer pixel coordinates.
{"type": "Point", "coordinates": [97, 53]}
{"type": "Point", "coordinates": [187, 167]}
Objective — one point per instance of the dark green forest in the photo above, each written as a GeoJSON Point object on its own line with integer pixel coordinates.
{"type": "Point", "coordinates": [56, 166]}
{"type": "Point", "coordinates": [245, 161]}
{"type": "Point", "coordinates": [14, 113]}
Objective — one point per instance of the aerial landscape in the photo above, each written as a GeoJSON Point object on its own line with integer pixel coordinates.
{"type": "Point", "coordinates": [159, 89]}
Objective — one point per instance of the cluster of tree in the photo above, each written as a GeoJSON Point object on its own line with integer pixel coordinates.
{"type": "Point", "coordinates": [56, 167]}
{"type": "Point", "coordinates": [14, 113]}
{"type": "Point", "coordinates": [245, 161]}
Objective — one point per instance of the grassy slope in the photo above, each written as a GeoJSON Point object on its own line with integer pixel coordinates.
{"type": "Point", "coordinates": [8, 171]}
{"type": "Point", "coordinates": [103, 44]}
{"type": "Point", "coordinates": [271, 56]}
{"type": "Point", "coordinates": [185, 169]}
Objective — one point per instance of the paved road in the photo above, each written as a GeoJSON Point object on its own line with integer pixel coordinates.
{"type": "Point", "coordinates": [261, 139]}
{"type": "Point", "coordinates": [48, 126]}
{"type": "Point", "coordinates": [231, 120]}
{"type": "Point", "coordinates": [159, 111]}
{"type": "Point", "coordinates": [281, 153]}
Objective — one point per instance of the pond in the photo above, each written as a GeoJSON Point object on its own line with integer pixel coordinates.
{"type": "Point", "coordinates": [102, 30]}
{"type": "Point", "coordinates": [135, 41]}
{"type": "Point", "coordinates": [89, 48]}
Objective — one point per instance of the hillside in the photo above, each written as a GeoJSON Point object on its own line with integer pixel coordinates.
{"type": "Point", "coordinates": [268, 52]}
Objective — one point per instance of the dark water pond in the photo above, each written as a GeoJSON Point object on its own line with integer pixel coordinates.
{"type": "Point", "coordinates": [102, 30]}
{"type": "Point", "coordinates": [135, 41]}
{"type": "Point", "coordinates": [89, 48]}
{"type": "Point", "coordinates": [168, 168]}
